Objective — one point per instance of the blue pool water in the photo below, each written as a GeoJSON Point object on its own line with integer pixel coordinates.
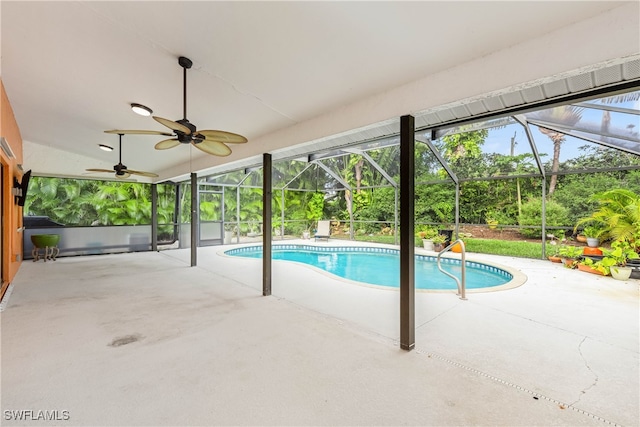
{"type": "Point", "coordinates": [380, 266]}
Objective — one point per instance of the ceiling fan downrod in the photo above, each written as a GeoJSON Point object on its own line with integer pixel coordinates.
{"type": "Point", "coordinates": [120, 169]}
{"type": "Point", "coordinates": [185, 63]}
{"type": "Point", "coordinates": [120, 148]}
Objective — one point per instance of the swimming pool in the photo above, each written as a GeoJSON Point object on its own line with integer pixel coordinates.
{"type": "Point", "coordinates": [380, 266]}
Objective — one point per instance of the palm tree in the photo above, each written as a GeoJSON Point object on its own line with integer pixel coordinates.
{"type": "Point", "coordinates": [566, 115]}
{"type": "Point", "coordinates": [616, 99]}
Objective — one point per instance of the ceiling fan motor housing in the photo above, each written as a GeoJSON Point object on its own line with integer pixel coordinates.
{"type": "Point", "coordinates": [183, 137]}
{"type": "Point", "coordinates": [120, 169]}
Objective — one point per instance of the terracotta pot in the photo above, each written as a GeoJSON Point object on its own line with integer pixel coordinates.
{"type": "Point", "coordinates": [555, 259]}
{"type": "Point", "coordinates": [591, 251]}
{"type": "Point", "coordinates": [588, 269]}
{"type": "Point", "coordinates": [581, 238]}
{"type": "Point", "coordinates": [569, 263]}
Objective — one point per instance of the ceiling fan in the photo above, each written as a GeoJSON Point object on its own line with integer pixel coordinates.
{"type": "Point", "coordinates": [122, 172]}
{"type": "Point", "coordinates": [210, 141]}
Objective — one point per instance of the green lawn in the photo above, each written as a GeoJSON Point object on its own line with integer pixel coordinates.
{"type": "Point", "coordinates": [520, 249]}
{"type": "Point", "coordinates": [505, 247]}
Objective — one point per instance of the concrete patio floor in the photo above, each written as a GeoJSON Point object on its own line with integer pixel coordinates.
{"type": "Point", "coordinates": [144, 339]}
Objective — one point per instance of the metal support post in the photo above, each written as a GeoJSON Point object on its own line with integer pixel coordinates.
{"type": "Point", "coordinates": [177, 216]}
{"type": "Point", "coordinates": [195, 210]}
{"type": "Point", "coordinates": [282, 216]}
{"type": "Point", "coordinates": [544, 217]}
{"type": "Point", "coordinates": [238, 214]}
{"type": "Point", "coordinates": [407, 222]}
{"type": "Point", "coordinates": [154, 217]}
{"type": "Point", "coordinates": [266, 219]}
{"type": "Point", "coordinates": [457, 222]}
{"type": "Point", "coordinates": [395, 216]}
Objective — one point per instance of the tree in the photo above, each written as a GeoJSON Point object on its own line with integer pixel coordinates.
{"type": "Point", "coordinates": [314, 209]}
{"type": "Point", "coordinates": [464, 154]}
{"type": "Point", "coordinates": [464, 144]}
{"type": "Point", "coordinates": [90, 202]}
{"type": "Point", "coordinates": [566, 115]}
{"type": "Point", "coordinates": [606, 115]}
{"type": "Point", "coordinates": [556, 216]}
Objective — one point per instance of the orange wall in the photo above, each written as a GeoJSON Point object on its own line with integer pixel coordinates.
{"type": "Point", "coordinates": [12, 213]}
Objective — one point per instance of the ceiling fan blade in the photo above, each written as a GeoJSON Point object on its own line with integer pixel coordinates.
{"type": "Point", "coordinates": [137, 132]}
{"type": "Point", "coordinates": [222, 136]}
{"type": "Point", "coordinates": [216, 148]}
{"type": "Point", "coordinates": [166, 144]}
{"type": "Point", "coordinates": [141, 173]}
{"type": "Point", "coordinates": [100, 170]}
{"type": "Point", "coordinates": [173, 125]}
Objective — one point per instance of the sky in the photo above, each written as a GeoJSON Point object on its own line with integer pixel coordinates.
{"type": "Point", "coordinates": [498, 140]}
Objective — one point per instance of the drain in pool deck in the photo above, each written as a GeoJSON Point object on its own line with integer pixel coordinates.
{"type": "Point", "coordinates": [127, 339]}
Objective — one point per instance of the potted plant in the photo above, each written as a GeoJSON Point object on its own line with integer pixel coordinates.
{"type": "Point", "coordinates": [427, 234]}
{"type": "Point", "coordinates": [492, 221]}
{"type": "Point", "coordinates": [594, 267]}
{"type": "Point", "coordinates": [589, 251]}
{"type": "Point", "coordinates": [553, 253]}
{"type": "Point", "coordinates": [48, 242]}
{"type": "Point", "coordinates": [438, 242]}
{"type": "Point", "coordinates": [617, 257]}
{"type": "Point", "coordinates": [570, 255]}
{"type": "Point", "coordinates": [616, 216]}
{"type": "Point", "coordinates": [229, 230]}
{"type": "Point", "coordinates": [592, 233]}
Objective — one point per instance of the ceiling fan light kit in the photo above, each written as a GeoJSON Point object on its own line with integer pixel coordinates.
{"type": "Point", "coordinates": [105, 147]}
{"type": "Point", "coordinates": [143, 110]}
{"type": "Point", "coordinates": [184, 132]}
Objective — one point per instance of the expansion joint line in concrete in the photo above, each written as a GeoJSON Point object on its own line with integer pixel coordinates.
{"type": "Point", "coordinates": [535, 395]}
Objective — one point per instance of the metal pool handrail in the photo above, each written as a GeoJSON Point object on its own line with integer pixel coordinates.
{"type": "Point", "coordinates": [462, 281]}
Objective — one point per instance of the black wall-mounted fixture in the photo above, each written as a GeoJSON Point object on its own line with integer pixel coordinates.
{"type": "Point", "coordinates": [19, 190]}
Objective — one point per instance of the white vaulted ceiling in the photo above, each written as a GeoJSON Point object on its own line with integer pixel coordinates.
{"type": "Point", "coordinates": [287, 75]}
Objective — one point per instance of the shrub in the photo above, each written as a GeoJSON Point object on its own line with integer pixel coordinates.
{"type": "Point", "coordinates": [618, 215]}
{"type": "Point", "coordinates": [427, 232]}
{"type": "Point", "coordinates": [556, 215]}
{"type": "Point", "coordinates": [503, 218]}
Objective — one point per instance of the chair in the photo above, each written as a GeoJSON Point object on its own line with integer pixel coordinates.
{"type": "Point", "coordinates": [324, 230]}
